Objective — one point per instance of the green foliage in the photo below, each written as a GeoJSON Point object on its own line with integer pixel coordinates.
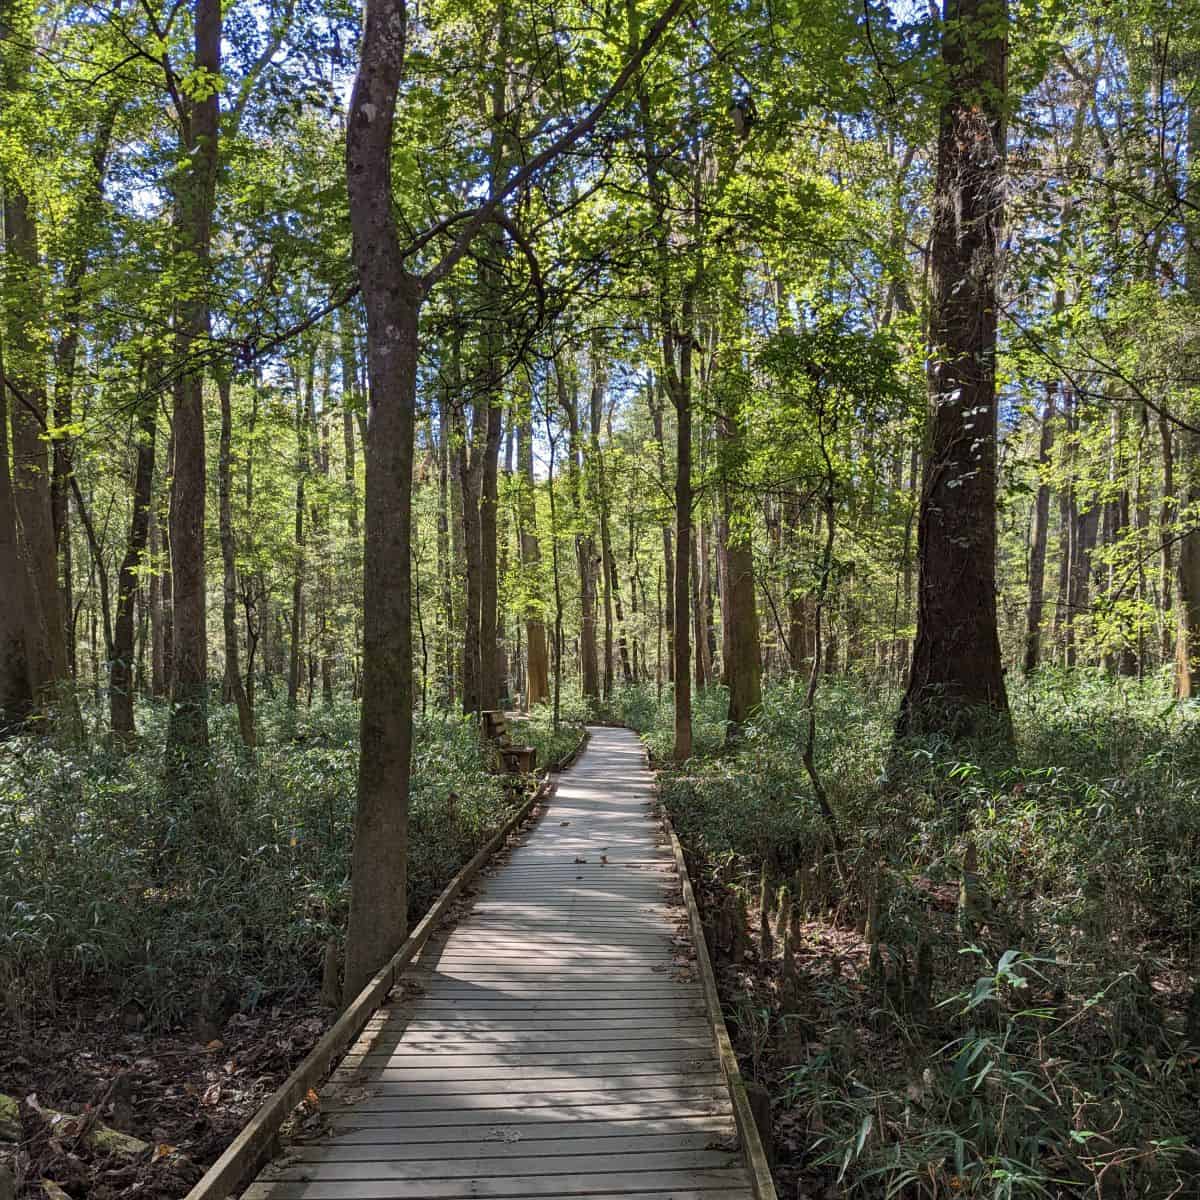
{"type": "Point", "coordinates": [109, 878]}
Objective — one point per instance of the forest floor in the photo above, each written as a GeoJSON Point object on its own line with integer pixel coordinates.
{"type": "Point", "coordinates": [996, 996]}
{"type": "Point", "coordinates": [180, 1099]}
{"type": "Point", "coordinates": [159, 984]}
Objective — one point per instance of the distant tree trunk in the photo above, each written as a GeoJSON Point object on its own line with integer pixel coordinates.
{"type": "Point", "coordinates": [16, 691]}
{"type": "Point", "coordinates": [187, 731]}
{"type": "Point", "coordinates": [585, 550]}
{"type": "Point", "coordinates": [445, 649]}
{"type": "Point", "coordinates": [668, 610]}
{"type": "Point", "coordinates": [798, 635]}
{"type": "Point", "coordinates": [598, 489]}
{"type": "Point", "coordinates": [489, 583]}
{"type": "Point", "coordinates": [158, 674]}
{"type": "Point", "coordinates": [1037, 538]}
{"type": "Point", "coordinates": [700, 663]}
{"type": "Point", "coordinates": [538, 667]}
{"type": "Point", "coordinates": [470, 473]}
{"type": "Point", "coordinates": [743, 671]}
{"type": "Point", "coordinates": [304, 407]}
{"type": "Point", "coordinates": [393, 297]}
{"type": "Point", "coordinates": [120, 668]}
{"type": "Point", "coordinates": [679, 386]}
{"type": "Point", "coordinates": [1187, 641]}
{"type": "Point", "coordinates": [351, 402]}
{"type": "Point", "coordinates": [956, 665]}
{"type": "Point", "coordinates": [1166, 515]}
{"type": "Point", "coordinates": [229, 616]}
{"type": "Point", "coordinates": [46, 632]}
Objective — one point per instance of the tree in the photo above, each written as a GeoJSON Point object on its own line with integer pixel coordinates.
{"type": "Point", "coordinates": [956, 669]}
{"type": "Point", "coordinates": [393, 296]}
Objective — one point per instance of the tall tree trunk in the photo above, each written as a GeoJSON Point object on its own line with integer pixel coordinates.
{"type": "Point", "coordinates": [351, 403]}
{"type": "Point", "coordinates": [585, 549]}
{"type": "Point", "coordinates": [187, 732]}
{"type": "Point", "coordinates": [470, 474]}
{"type": "Point", "coordinates": [1187, 641]}
{"type": "Point", "coordinates": [445, 648]}
{"type": "Point", "coordinates": [120, 668]}
{"type": "Point", "coordinates": [1037, 538]}
{"type": "Point", "coordinates": [229, 621]}
{"type": "Point", "coordinates": [537, 670]}
{"type": "Point", "coordinates": [682, 396]}
{"type": "Point", "coordinates": [489, 582]}
{"type": "Point", "coordinates": [304, 409]}
{"type": "Point", "coordinates": [393, 297]}
{"type": "Point", "coordinates": [46, 634]}
{"type": "Point", "coordinates": [698, 628]}
{"type": "Point", "coordinates": [655, 398]}
{"type": "Point", "coordinates": [956, 668]}
{"type": "Point", "coordinates": [158, 674]}
{"type": "Point", "coordinates": [16, 691]}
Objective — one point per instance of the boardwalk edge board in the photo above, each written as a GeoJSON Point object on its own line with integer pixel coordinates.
{"type": "Point", "coordinates": [747, 1127]}
{"type": "Point", "coordinates": [256, 1143]}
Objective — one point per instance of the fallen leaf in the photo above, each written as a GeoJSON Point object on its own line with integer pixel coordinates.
{"type": "Point", "coordinates": [214, 1045]}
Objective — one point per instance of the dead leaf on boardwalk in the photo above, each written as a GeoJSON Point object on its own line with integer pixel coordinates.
{"type": "Point", "coordinates": [503, 1134]}
{"type": "Point", "coordinates": [161, 1151]}
{"type": "Point", "coordinates": [311, 1098]}
{"type": "Point", "coordinates": [581, 860]}
{"type": "Point", "coordinates": [564, 822]}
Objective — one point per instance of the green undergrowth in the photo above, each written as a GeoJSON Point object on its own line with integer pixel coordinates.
{"type": "Point", "coordinates": [997, 996]}
{"type": "Point", "coordinates": [225, 892]}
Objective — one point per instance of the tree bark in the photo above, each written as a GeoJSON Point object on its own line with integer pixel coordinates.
{"type": "Point", "coordinates": [16, 690]}
{"type": "Point", "coordinates": [956, 670]}
{"type": "Point", "coordinates": [120, 669]}
{"type": "Point", "coordinates": [304, 403]}
{"type": "Point", "coordinates": [187, 731]}
{"type": "Point", "coordinates": [46, 634]}
{"type": "Point", "coordinates": [1037, 538]}
{"type": "Point", "coordinates": [1187, 640]}
{"type": "Point", "coordinates": [538, 666]}
{"type": "Point", "coordinates": [393, 297]}
{"type": "Point", "coordinates": [229, 621]}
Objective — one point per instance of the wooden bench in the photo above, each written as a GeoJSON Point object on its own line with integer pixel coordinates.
{"type": "Point", "coordinates": [515, 760]}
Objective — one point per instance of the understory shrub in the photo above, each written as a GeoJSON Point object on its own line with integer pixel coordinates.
{"type": "Point", "coordinates": [224, 893]}
{"type": "Point", "coordinates": [996, 997]}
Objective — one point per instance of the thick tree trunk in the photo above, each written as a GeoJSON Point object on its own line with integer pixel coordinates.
{"type": "Point", "coordinates": [120, 669]}
{"type": "Point", "coordinates": [1037, 538]}
{"type": "Point", "coordinates": [187, 732]}
{"type": "Point", "coordinates": [378, 881]}
{"type": "Point", "coordinates": [229, 621]}
{"type": "Point", "coordinates": [956, 669]}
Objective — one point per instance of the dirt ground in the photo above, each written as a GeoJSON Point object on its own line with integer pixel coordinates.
{"type": "Point", "coordinates": [184, 1093]}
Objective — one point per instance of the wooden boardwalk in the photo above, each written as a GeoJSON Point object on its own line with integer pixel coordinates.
{"type": "Point", "coordinates": [553, 1044]}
